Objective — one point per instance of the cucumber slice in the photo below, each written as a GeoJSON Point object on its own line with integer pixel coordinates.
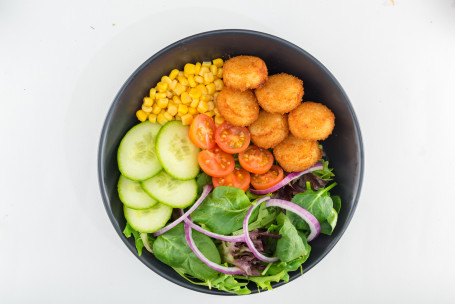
{"type": "Point", "coordinates": [136, 155]}
{"type": "Point", "coordinates": [176, 152]}
{"type": "Point", "coordinates": [148, 220]}
{"type": "Point", "coordinates": [132, 194]}
{"type": "Point", "coordinates": [172, 192]}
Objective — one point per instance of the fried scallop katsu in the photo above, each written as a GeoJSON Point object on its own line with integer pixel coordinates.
{"type": "Point", "coordinates": [244, 72]}
{"type": "Point", "coordinates": [237, 107]}
{"type": "Point", "coordinates": [281, 93]}
{"type": "Point", "coordinates": [269, 129]}
{"type": "Point", "coordinates": [312, 121]}
{"type": "Point", "coordinates": [295, 154]}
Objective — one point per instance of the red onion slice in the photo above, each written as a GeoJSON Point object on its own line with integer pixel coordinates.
{"type": "Point", "coordinates": [206, 190]}
{"type": "Point", "coordinates": [246, 234]}
{"type": "Point", "coordinates": [290, 177]}
{"type": "Point", "coordinates": [215, 266]}
{"type": "Point", "coordinates": [315, 227]}
{"type": "Point", "coordinates": [226, 238]}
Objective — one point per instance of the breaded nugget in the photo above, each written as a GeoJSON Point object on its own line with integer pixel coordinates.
{"type": "Point", "coordinates": [295, 154]}
{"type": "Point", "coordinates": [312, 121]}
{"type": "Point", "coordinates": [281, 94]}
{"type": "Point", "coordinates": [244, 72]}
{"type": "Point", "coordinates": [269, 129]}
{"type": "Point", "coordinates": [236, 107]}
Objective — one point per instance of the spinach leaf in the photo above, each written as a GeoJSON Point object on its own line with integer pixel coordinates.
{"type": "Point", "coordinates": [336, 203]}
{"type": "Point", "coordinates": [265, 217]}
{"type": "Point", "coordinates": [137, 237]}
{"type": "Point", "coordinates": [172, 249]}
{"type": "Point", "coordinates": [318, 203]}
{"type": "Point", "coordinates": [223, 210]}
{"type": "Point", "coordinates": [328, 226]}
{"type": "Point", "coordinates": [291, 245]}
{"type": "Point", "coordinates": [201, 180]}
{"type": "Point", "coordinates": [264, 282]}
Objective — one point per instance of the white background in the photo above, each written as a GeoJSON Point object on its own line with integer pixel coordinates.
{"type": "Point", "coordinates": [62, 63]}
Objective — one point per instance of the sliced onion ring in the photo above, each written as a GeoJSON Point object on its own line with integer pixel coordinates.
{"type": "Point", "coordinates": [315, 227]}
{"type": "Point", "coordinates": [226, 238]}
{"type": "Point", "coordinates": [290, 177]}
{"type": "Point", "coordinates": [206, 190]}
{"type": "Point", "coordinates": [215, 266]}
{"type": "Point", "coordinates": [246, 234]}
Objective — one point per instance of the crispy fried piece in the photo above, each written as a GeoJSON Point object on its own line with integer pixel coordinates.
{"type": "Point", "coordinates": [295, 154]}
{"type": "Point", "coordinates": [312, 121]}
{"type": "Point", "coordinates": [236, 107]}
{"type": "Point", "coordinates": [269, 129]}
{"type": "Point", "coordinates": [244, 72]}
{"type": "Point", "coordinates": [281, 94]}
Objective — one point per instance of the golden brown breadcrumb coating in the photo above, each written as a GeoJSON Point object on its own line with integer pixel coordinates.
{"type": "Point", "coordinates": [237, 107]}
{"type": "Point", "coordinates": [269, 129]}
{"type": "Point", "coordinates": [244, 72]}
{"type": "Point", "coordinates": [295, 154]}
{"type": "Point", "coordinates": [312, 121]}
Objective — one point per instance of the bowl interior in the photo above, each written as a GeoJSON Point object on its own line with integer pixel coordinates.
{"type": "Point", "coordinates": [343, 148]}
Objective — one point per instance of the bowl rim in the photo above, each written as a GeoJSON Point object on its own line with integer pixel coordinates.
{"type": "Point", "coordinates": [101, 148]}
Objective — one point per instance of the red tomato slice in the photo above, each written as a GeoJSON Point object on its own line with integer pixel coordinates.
{"type": "Point", "coordinates": [239, 178]}
{"type": "Point", "coordinates": [256, 160]}
{"type": "Point", "coordinates": [202, 132]}
{"type": "Point", "coordinates": [215, 162]}
{"type": "Point", "coordinates": [232, 139]}
{"type": "Point", "coordinates": [268, 179]}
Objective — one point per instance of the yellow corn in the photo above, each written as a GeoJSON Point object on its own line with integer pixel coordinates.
{"type": "Point", "coordinates": [216, 111]}
{"type": "Point", "coordinates": [169, 94]}
{"type": "Point", "coordinates": [189, 68]}
{"type": "Point", "coordinates": [173, 84]}
{"type": "Point", "coordinates": [162, 111]}
{"type": "Point", "coordinates": [206, 64]}
{"type": "Point", "coordinates": [208, 78]}
{"type": "Point", "coordinates": [174, 73]}
{"type": "Point", "coordinates": [213, 69]}
{"type": "Point", "coordinates": [176, 99]}
{"type": "Point", "coordinates": [152, 93]}
{"type": "Point", "coordinates": [199, 79]}
{"type": "Point", "coordinates": [203, 70]}
{"type": "Point", "coordinates": [218, 84]}
{"type": "Point", "coordinates": [178, 117]}
{"type": "Point", "coordinates": [179, 89]}
{"type": "Point", "coordinates": [219, 73]}
{"type": "Point", "coordinates": [161, 119]}
{"type": "Point", "coordinates": [211, 105]}
{"type": "Point", "coordinates": [152, 118]}
{"type": "Point", "coordinates": [146, 109]}
{"type": "Point", "coordinates": [161, 86]}
{"type": "Point", "coordinates": [172, 109]}
{"type": "Point", "coordinates": [186, 99]}
{"type": "Point", "coordinates": [183, 109]}
{"type": "Point", "coordinates": [219, 120]}
{"type": "Point", "coordinates": [166, 79]}
{"type": "Point", "coordinates": [206, 97]}
{"type": "Point", "coordinates": [203, 107]}
{"type": "Point", "coordinates": [194, 103]}
{"type": "Point", "coordinates": [168, 116]}
{"type": "Point", "coordinates": [183, 80]}
{"type": "Point", "coordinates": [148, 102]}
{"type": "Point", "coordinates": [209, 113]}
{"type": "Point", "coordinates": [141, 115]}
{"type": "Point", "coordinates": [160, 95]}
{"type": "Point", "coordinates": [195, 93]}
{"type": "Point", "coordinates": [186, 119]}
{"type": "Point", "coordinates": [210, 88]}
{"type": "Point", "coordinates": [218, 62]}
{"type": "Point", "coordinates": [192, 111]}
{"type": "Point", "coordinates": [197, 68]}
{"type": "Point", "coordinates": [202, 88]}
{"type": "Point", "coordinates": [191, 81]}
{"type": "Point", "coordinates": [156, 109]}
{"type": "Point", "coordinates": [162, 102]}
{"type": "Point", "coordinates": [180, 73]}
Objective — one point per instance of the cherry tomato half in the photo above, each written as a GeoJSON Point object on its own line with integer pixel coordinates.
{"type": "Point", "coordinates": [256, 160]}
{"type": "Point", "coordinates": [239, 178]}
{"type": "Point", "coordinates": [268, 179]}
{"type": "Point", "coordinates": [215, 162]}
{"type": "Point", "coordinates": [232, 139]}
{"type": "Point", "coordinates": [202, 132]}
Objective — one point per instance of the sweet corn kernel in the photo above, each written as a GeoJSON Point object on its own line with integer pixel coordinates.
{"type": "Point", "coordinates": [203, 71]}
{"type": "Point", "coordinates": [192, 110]}
{"type": "Point", "coordinates": [176, 99]}
{"type": "Point", "coordinates": [162, 111]}
{"type": "Point", "coordinates": [187, 119]}
{"type": "Point", "coordinates": [161, 86]}
{"type": "Point", "coordinates": [199, 79]}
{"type": "Point", "coordinates": [172, 110]}
{"type": "Point", "coordinates": [173, 84]}
{"type": "Point", "coordinates": [168, 116]}
{"type": "Point", "coordinates": [218, 84]}
{"type": "Point", "coordinates": [191, 81]}
{"type": "Point", "coordinates": [218, 62]}
{"type": "Point", "coordinates": [189, 68]}
{"type": "Point", "coordinates": [206, 64]}
{"type": "Point", "coordinates": [194, 103]}
{"type": "Point", "coordinates": [180, 73]}
{"type": "Point", "coordinates": [203, 107]}
{"type": "Point", "coordinates": [161, 119]}
{"type": "Point", "coordinates": [141, 115]}
{"type": "Point", "coordinates": [195, 93]}
{"type": "Point", "coordinates": [179, 89]}
{"type": "Point", "coordinates": [152, 118]}
{"type": "Point", "coordinates": [213, 69]}
{"type": "Point", "coordinates": [215, 96]}
{"type": "Point", "coordinates": [166, 79]}
{"type": "Point", "coordinates": [211, 105]}
{"type": "Point", "coordinates": [202, 88]}
{"type": "Point", "coordinates": [174, 73]}
{"type": "Point", "coordinates": [152, 93]}
{"type": "Point", "coordinates": [183, 80]}
{"type": "Point", "coordinates": [216, 111]}
{"type": "Point", "coordinates": [197, 68]}
{"type": "Point", "coordinates": [169, 94]}
{"type": "Point", "coordinates": [148, 102]}
{"type": "Point", "coordinates": [146, 109]}
{"type": "Point", "coordinates": [183, 109]}
{"type": "Point", "coordinates": [219, 74]}
{"type": "Point", "coordinates": [208, 78]}
{"type": "Point", "coordinates": [160, 95]}
{"type": "Point", "coordinates": [219, 119]}
{"type": "Point", "coordinates": [209, 113]}
{"type": "Point", "coordinates": [156, 109]}
{"type": "Point", "coordinates": [162, 102]}
{"type": "Point", "coordinates": [206, 97]}
{"type": "Point", "coordinates": [178, 117]}
{"type": "Point", "coordinates": [185, 98]}
{"type": "Point", "coordinates": [210, 88]}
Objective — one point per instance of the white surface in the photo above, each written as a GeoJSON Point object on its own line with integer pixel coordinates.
{"type": "Point", "coordinates": [61, 65]}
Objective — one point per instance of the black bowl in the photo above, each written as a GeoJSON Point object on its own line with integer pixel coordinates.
{"type": "Point", "coordinates": [343, 148]}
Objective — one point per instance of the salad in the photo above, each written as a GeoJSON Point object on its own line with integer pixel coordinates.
{"type": "Point", "coordinates": [224, 178]}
